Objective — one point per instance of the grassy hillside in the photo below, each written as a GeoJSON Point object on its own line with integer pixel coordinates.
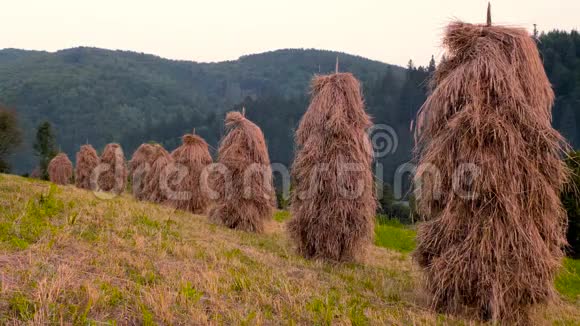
{"type": "Point", "coordinates": [69, 257]}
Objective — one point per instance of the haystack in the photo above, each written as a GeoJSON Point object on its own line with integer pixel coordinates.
{"type": "Point", "coordinates": [87, 161]}
{"type": "Point", "coordinates": [193, 157]}
{"type": "Point", "coordinates": [245, 191]}
{"type": "Point", "coordinates": [333, 203]}
{"type": "Point", "coordinates": [60, 169]}
{"type": "Point", "coordinates": [139, 166]}
{"type": "Point", "coordinates": [156, 181]}
{"type": "Point", "coordinates": [113, 177]}
{"type": "Point", "coordinates": [492, 240]}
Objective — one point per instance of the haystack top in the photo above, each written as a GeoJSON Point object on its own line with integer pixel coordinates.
{"type": "Point", "coordinates": [61, 155]}
{"type": "Point", "coordinates": [159, 151]}
{"type": "Point", "coordinates": [336, 103]}
{"type": "Point", "coordinates": [507, 57]}
{"type": "Point", "coordinates": [190, 139]}
{"type": "Point", "coordinates": [88, 147]}
{"type": "Point", "coordinates": [234, 118]}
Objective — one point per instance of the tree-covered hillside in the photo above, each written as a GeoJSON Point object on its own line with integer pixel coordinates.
{"type": "Point", "coordinates": [561, 54]}
{"type": "Point", "coordinates": [101, 96]}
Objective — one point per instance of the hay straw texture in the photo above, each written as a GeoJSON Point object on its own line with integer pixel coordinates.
{"type": "Point", "coordinates": [192, 156]}
{"type": "Point", "coordinates": [114, 179]}
{"type": "Point", "coordinates": [492, 241]}
{"type": "Point", "coordinates": [333, 203]}
{"type": "Point", "coordinates": [86, 162]}
{"type": "Point", "coordinates": [156, 181]}
{"type": "Point", "coordinates": [60, 169]}
{"type": "Point", "coordinates": [247, 200]}
{"type": "Point", "coordinates": [139, 166]}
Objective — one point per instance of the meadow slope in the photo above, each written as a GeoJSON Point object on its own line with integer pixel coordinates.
{"type": "Point", "coordinates": [68, 257]}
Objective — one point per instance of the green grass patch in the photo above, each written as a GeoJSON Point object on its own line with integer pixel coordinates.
{"type": "Point", "coordinates": [392, 234]}
{"type": "Point", "coordinates": [113, 295]}
{"type": "Point", "coordinates": [23, 308]}
{"type": "Point", "coordinates": [21, 230]}
{"type": "Point", "coordinates": [568, 280]}
{"type": "Point", "coordinates": [190, 293]}
{"type": "Point", "coordinates": [152, 227]}
{"type": "Point", "coordinates": [281, 216]}
{"type": "Point", "coordinates": [324, 309]}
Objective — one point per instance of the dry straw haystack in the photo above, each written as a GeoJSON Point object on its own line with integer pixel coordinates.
{"type": "Point", "coordinates": [333, 203]}
{"type": "Point", "coordinates": [492, 240]}
{"type": "Point", "coordinates": [139, 166]}
{"type": "Point", "coordinates": [87, 161]}
{"type": "Point", "coordinates": [156, 188]}
{"type": "Point", "coordinates": [60, 169]}
{"type": "Point", "coordinates": [244, 185]}
{"type": "Point", "coordinates": [193, 157]}
{"type": "Point", "coordinates": [114, 177]}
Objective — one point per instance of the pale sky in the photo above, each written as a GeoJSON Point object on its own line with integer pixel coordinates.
{"type": "Point", "coordinates": [388, 31]}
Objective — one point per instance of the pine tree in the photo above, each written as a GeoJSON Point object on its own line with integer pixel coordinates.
{"type": "Point", "coordinates": [432, 65]}
{"type": "Point", "coordinates": [10, 137]}
{"type": "Point", "coordinates": [45, 147]}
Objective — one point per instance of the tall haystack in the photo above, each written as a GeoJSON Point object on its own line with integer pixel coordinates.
{"type": "Point", "coordinates": [60, 169]}
{"type": "Point", "coordinates": [244, 186]}
{"type": "Point", "coordinates": [156, 181]}
{"type": "Point", "coordinates": [192, 156]}
{"type": "Point", "coordinates": [139, 166]}
{"type": "Point", "coordinates": [333, 203]}
{"type": "Point", "coordinates": [113, 177]}
{"type": "Point", "coordinates": [87, 161]}
{"type": "Point", "coordinates": [490, 174]}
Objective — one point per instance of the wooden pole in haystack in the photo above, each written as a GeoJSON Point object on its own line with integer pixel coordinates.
{"type": "Point", "coordinates": [244, 186]}
{"type": "Point", "coordinates": [193, 155]}
{"type": "Point", "coordinates": [333, 203]}
{"type": "Point", "coordinates": [492, 239]}
{"type": "Point", "coordinates": [60, 169]}
{"type": "Point", "coordinates": [489, 14]}
{"type": "Point", "coordinates": [114, 176]}
{"type": "Point", "coordinates": [87, 161]}
{"type": "Point", "coordinates": [139, 165]}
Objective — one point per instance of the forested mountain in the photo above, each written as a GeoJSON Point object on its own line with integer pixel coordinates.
{"type": "Point", "coordinates": [101, 96]}
{"type": "Point", "coordinates": [561, 54]}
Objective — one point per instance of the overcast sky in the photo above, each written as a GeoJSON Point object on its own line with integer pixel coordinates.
{"type": "Point", "coordinates": [216, 30]}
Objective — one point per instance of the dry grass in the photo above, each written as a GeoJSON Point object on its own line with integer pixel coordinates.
{"type": "Point", "coordinates": [139, 166]}
{"type": "Point", "coordinates": [245, 193]}
{"type": "Point", "coordinates": [129, 262]}
{"type": "Point", "coordinates": [192, 157]}
{"type": "Point", "coordinates": [156, 181]}
{"type": "Point", "coordinates": [333, 204]}
{"type": "Point", "coordinates": [490, 246]}
{"type": "Point", "coordinates": [87, 161]}
{"type": "Point", "coordinates": [60, 169]}
{"type": "Point", "coordinates": [114, 177]}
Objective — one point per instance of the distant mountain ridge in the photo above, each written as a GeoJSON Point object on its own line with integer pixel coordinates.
{"type": "Point", "coordinates": [99, 96]}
